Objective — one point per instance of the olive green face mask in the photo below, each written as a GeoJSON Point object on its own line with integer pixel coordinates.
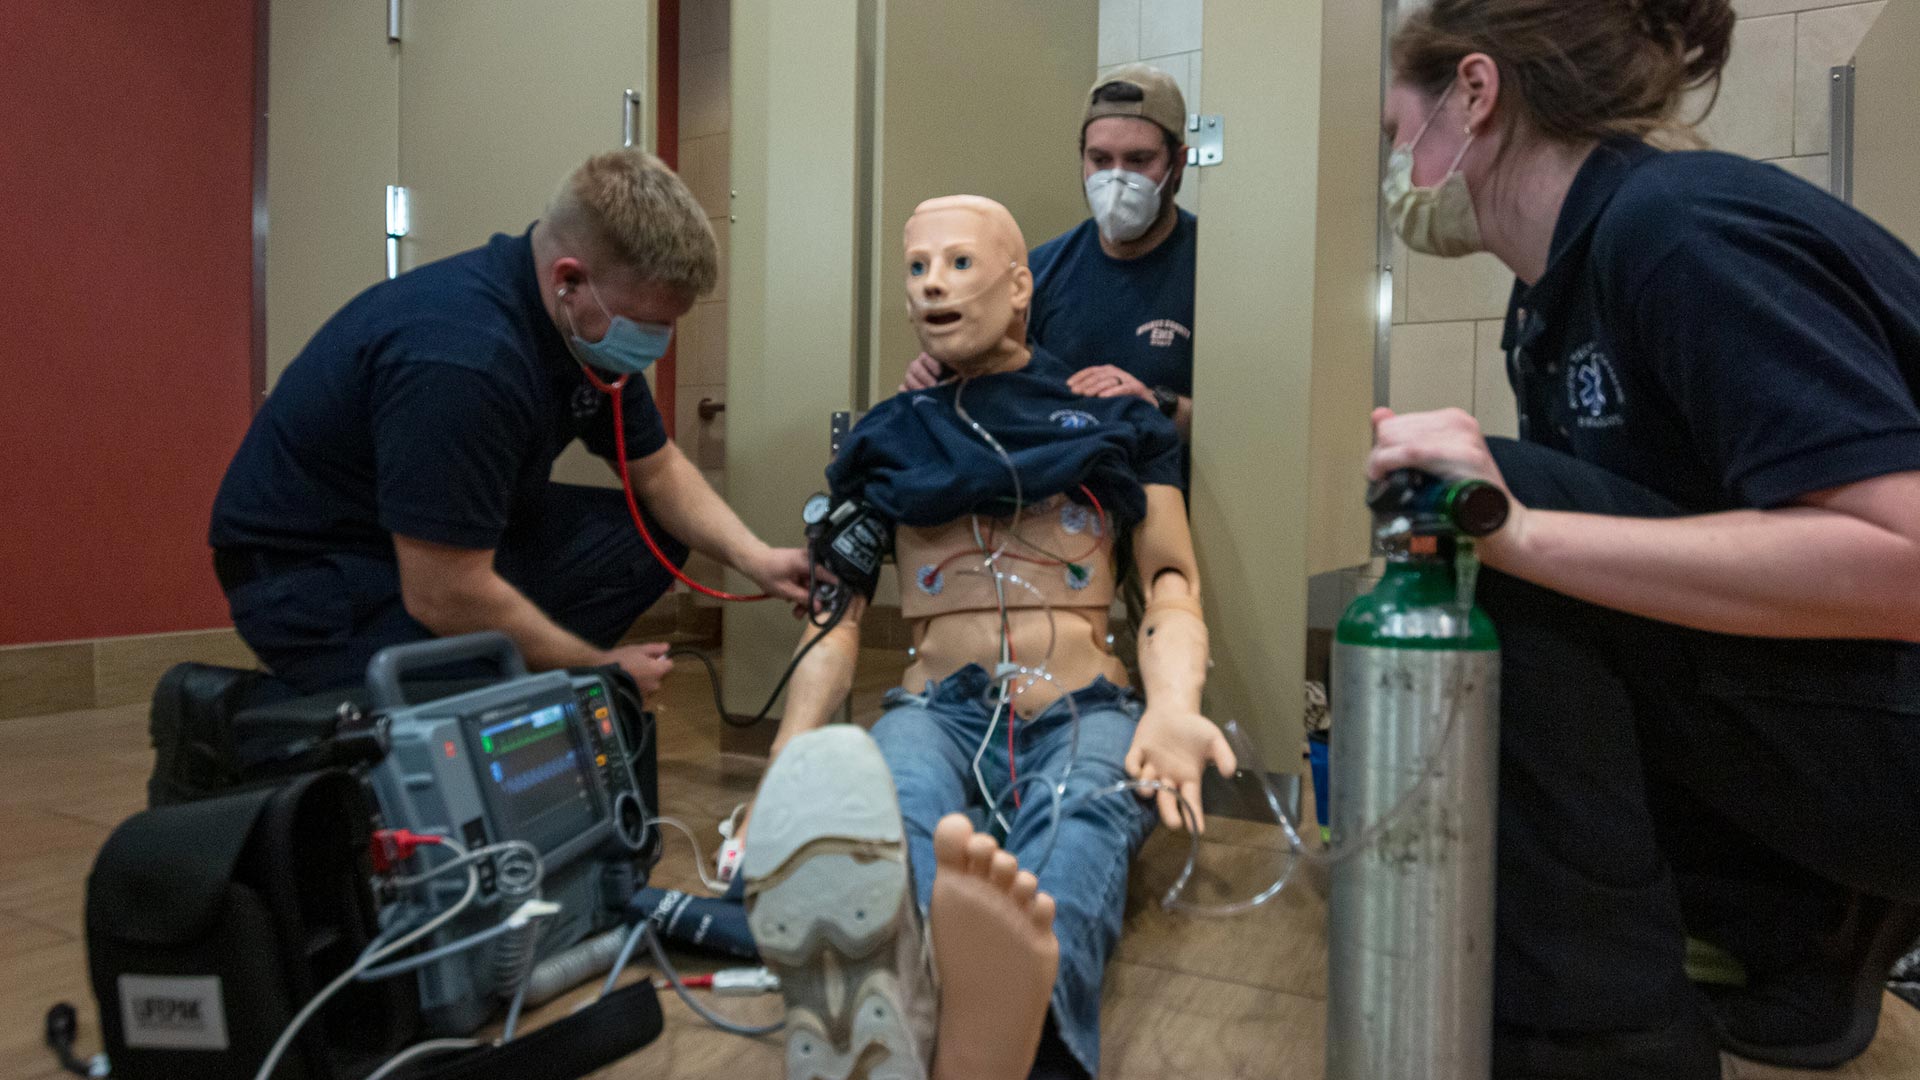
{"type": "Point", "coordinates": [1435, 220]}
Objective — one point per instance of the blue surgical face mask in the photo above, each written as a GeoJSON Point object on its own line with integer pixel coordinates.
{"type": "Point", "coordinates": [627, 348]}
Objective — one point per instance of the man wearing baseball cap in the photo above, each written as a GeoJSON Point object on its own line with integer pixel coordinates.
{"type": "Point", "coordinates": [1113, 296]}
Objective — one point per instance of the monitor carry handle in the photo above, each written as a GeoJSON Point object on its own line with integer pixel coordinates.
{"type": "Point", "coordinates": [389, 664]}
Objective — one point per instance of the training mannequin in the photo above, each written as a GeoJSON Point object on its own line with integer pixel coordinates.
{"type": "Point", "coordinates": [816, 866]}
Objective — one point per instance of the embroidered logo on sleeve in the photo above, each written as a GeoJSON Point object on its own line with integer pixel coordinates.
{"type": "Point", "coordinates": [586, 401]}
{"type": "Point", "coordinates": [1162, 332]}
{"type": "Point", "coordinates": [1594, 395]}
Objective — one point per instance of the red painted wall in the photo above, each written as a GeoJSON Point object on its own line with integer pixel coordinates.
{"type": "Point", "coordinates": [126, 296]}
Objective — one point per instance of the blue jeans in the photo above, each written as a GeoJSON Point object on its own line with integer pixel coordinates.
{"type": "Point", "coordinates": [929, 741]}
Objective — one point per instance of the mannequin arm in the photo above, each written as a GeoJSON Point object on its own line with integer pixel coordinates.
{"type": "Point", "coordinates": [1173, 743]}
{"type": "Point", "coordinates": [824, 677]}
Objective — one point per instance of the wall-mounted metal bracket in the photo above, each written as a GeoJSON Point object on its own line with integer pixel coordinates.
{"type": "Point", "coordinates": [837, 427]}
{"type": "Point", "coordinates": [1206, 140]}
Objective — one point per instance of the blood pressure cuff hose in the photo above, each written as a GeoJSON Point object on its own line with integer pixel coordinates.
{"type": "Point", "coordinates": [850, 543]}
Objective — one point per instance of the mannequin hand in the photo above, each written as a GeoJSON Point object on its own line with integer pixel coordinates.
{"type": "Point", "coordinates": [1105, 380]}
{"type": "Point", "coordinates": [1447, 443]}
{"type": "Point", "coordinates": [924, 373]}
{"type": "Point", "coordinates": [782, 572]}
{"type": "Point", "coordinates": [648, 664]}
{"type": "Point", "coordinates": [1174, 748]}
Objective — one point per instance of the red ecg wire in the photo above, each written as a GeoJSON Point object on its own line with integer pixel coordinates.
{"type": "Point", "coordinates": [612, 390]}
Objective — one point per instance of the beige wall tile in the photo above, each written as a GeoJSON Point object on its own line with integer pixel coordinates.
{"type": "Point", "coordinates": [1492, 394]}
{"type": "Point", "coordinates": [1752, 8]}
{"type": "Point", "coordinates": [704, 27]}
{"type": "Point", "coordinates": [1169, 26]}
{"type": "Point", "coordinates": [1814, 170]}
{"type": "Point", "coordinates": [1180, 66]}
{"type": "Point", "coordinates": [704, 442]}
{"type": "Point", "coordinates": [706, 571]}
{"type": "Point", "coordinates": [720, 233]}
{"type": "Point", "coordinates": [127, 669]}
{"type": "Point", "coordinates": [1448, 290]}
{"type": "Point", "coordinates": [1119, 32]}
{"type": "Point", "coordinates": [1193, 88]}
{"type": "Point", "coordinates": [1754, 112]}
{"type": "Point", "coordinates": [701, 349]}
{"type": "Point", "coordinates": [1827, 38]}
{"type": "Point", "coordinates": [703, 165]}
{"type": "Point", "coordinates": [705, 104]}
{"type": "Point", "coordinates": [1433, 366]}
{"type": "Point", "coordinates": [39, 679]}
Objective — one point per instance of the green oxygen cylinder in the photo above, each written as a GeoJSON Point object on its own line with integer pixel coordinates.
{"type": "Point", "coordinates": [1413, 773]}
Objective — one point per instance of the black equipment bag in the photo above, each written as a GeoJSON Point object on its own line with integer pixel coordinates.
{"type": "Point", "coordinates": [217, 729]}
{"type": "Point", "coordinates": [209, 924]}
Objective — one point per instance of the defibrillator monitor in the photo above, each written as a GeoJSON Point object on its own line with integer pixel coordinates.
{"type": "Point", "coordinates": [542, 758]}
{"type": "Point", "coordinates": [534, 774]}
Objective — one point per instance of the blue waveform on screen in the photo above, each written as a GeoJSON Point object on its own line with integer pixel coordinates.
{"type": "Point", "coordinates": [540, 773]}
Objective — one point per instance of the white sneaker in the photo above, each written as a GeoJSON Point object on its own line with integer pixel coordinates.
{"type": "Point", "coordinates": [832, 907]}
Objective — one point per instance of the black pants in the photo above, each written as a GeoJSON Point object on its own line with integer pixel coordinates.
{"type": "Point", "coordinates": [574, 553]}
{"type": "Point", "coordinates": [1656, 780]}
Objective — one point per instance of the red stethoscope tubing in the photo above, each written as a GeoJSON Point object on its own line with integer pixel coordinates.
{"type": "Point", "coordinates": [612, 390]}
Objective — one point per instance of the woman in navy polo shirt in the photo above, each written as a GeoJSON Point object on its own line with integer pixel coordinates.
{"type": "Point", "coordinates": [1708, 593]}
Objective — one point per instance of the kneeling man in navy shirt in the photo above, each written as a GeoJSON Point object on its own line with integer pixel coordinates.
{"type": "Point", "coordinates": [395, 485]}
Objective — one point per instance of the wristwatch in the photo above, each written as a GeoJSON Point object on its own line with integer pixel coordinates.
{"type": "Point", "coordinates": [1168, 401]}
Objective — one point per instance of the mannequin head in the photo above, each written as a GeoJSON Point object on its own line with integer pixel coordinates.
{"type": "Point", "coordinates": [968, 286]}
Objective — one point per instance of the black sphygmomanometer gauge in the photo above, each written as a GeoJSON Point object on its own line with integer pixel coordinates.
{"type": "Point", "coordinates": [816, 509]}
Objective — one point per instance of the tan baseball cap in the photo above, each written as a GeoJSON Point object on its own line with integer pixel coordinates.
{"type": "Point", "coordinates": [1160, 99]}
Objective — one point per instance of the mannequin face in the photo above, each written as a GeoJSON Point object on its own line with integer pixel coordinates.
{"type": "Point", "coordinates": [968, 286]}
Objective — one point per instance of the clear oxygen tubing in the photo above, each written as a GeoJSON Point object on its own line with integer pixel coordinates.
{"type": "Point", "coordinates": [1034, 674]}
{"type": "Point", "coordinates": [1175, 898]}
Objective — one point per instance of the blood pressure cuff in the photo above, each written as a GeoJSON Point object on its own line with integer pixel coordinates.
{"type": "Point", "coordinates": [918, 462]}
{"type": "Point", "coordinates": [851, 542]}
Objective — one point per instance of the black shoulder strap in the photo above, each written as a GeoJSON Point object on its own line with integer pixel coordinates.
{"type": "Point", "coordinates": [569, 1048]}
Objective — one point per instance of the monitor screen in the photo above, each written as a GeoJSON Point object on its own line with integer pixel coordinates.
{"type": "Point", "coordinates": [535, 769]}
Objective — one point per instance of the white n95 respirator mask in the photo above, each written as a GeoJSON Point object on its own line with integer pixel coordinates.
{"type": "Point", "coordinates": [1124, 204]}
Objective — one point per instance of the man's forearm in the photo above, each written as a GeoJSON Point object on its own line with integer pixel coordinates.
{"type": "Point", "coordinates": [497, 605]}
{"type": "Point", "coordinates": [1183, 418]}
{"type": "Point", "coordinates": [680, 497]}
{"type": "Point", "coordinates": [823, 678]}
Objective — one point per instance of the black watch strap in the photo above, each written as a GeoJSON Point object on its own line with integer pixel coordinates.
{"type": "Point", "coordinates": [1168, 401]}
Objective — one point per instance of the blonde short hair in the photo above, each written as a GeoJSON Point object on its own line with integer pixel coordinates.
{"type": "Point", "coordinates": [633, 210]}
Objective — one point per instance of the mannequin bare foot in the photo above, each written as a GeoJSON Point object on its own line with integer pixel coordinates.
{"type": "Point", "coordinates": [994, 948]}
